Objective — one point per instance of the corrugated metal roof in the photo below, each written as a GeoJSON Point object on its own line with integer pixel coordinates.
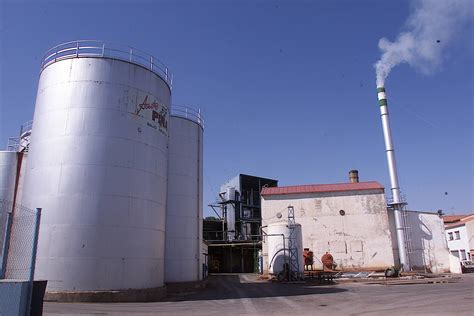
{"type": "Point", "coordinates": [318, 188]}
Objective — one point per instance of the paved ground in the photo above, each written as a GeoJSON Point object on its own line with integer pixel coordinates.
{"type": "Point", "coordinates": [242, 294]}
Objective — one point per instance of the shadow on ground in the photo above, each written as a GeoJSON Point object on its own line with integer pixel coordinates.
{"type": "Point", "coordinates": [235, 286]}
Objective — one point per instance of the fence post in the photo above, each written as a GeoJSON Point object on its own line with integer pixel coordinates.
{"type": "Point", "coordinates": [33, 260]}
{"type": "Point", "coordinates": [6, 244]}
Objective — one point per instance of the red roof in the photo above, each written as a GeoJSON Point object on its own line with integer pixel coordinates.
{"type": "Point", "coordinates": [457, 220]}
{"type": "Point", "coordinates": [318, 188]}
{"type": "Point", "coordinates": [452, 218]}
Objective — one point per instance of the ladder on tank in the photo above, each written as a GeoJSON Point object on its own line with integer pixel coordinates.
{"type": "Point", "coordinates": [293, 273]}
{"type": "Point", "coordinates": [406, 228]}
{"type": "Point", "coordinates": [407, 232]}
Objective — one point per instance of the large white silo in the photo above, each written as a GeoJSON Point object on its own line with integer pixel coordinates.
{"type": "Point", "coordinates": [98, 168]}
{"type": "Point", "coordinates": [183, 259]}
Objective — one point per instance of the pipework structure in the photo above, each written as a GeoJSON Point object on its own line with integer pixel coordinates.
{"type": "Point", "coordinates": [234, 237]}
{"type": "Point", "coordinates": [398, 205]}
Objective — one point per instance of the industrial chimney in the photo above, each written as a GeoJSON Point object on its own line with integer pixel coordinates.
{"type": "Point", "coordinates": [397, 203]}
{"type": "Point", "coordinates": [354, 176]}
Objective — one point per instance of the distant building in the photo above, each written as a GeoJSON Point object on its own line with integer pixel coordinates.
{"type": "Point", "coordinates": [460, 235]}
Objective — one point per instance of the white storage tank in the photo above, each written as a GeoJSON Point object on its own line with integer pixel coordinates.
{"type": "Point", "coordinates": [278, 252]}
{"type": "Point", "coordinates": [98, 168]}
{"type": "Point", "coordinates": [8, 171]}
{"type": "Point", "coordinates": [183, 255]}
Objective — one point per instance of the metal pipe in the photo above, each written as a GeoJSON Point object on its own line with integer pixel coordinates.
{"type": "Point", "coordinates": [394, 185]}
{"type": "Point", "coordinates": [33, 259]}
{"type": "Point", "coordinates": [199, 201]}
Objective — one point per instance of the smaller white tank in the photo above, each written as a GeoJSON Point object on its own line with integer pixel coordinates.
{"type": "Point", "coordinates": [278, 252]}
{"type": "Point", "coordinates": [8, 169]}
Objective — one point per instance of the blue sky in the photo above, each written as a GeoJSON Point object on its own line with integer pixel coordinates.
{"type": "Point", "coordinates": [287, 88]}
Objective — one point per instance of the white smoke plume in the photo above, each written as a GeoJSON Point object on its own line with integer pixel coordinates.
{"type": "Point", "coordinates": [429, 28]}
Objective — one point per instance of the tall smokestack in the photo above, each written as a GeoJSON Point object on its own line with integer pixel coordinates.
{"type": "Point", "coordinates": [354, 176]}
{"type": "Point", "coordinates": [397, 203]}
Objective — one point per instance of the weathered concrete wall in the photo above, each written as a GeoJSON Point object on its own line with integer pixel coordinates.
{"type": "Point", "coordinates": [429, 249]}
{"type": "Point", "coordinates": [359, 239]}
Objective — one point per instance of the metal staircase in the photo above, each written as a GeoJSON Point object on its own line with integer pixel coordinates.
{"type": "Point", "coordinates": [22, 142]}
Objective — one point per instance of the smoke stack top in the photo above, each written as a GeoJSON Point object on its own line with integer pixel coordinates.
{"type": "Point", "coordinates": [381, 96]}
{"type": "Point", "coordinates": [354, 176]}
{"type": "Point", "coordinates": [431, 25]}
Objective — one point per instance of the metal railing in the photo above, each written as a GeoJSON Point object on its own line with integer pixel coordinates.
{"type": "Point", "coordinates": [187, 113]}
{"type": "Point", "coordinates": [22, 142]}
{"type": "Point", "coordinates": [13, 144]}
{"type": "Point", "coordinates": [96, 48]}
{"type": "Point", "coordinates": [26, 128]}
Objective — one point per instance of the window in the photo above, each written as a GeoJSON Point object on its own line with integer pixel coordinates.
{"type": "Point", "coordinates": [463, 254]}
{"type": "Point", "coordinates": [450, 235]}
{"type": "Point", "coordinates": [456, 233]}
{"type": "Point", "coordinates": [455, 253]}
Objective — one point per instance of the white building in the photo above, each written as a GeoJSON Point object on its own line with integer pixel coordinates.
{"type": "Point", "coordinates": [351, 221]}
{"type": "Point", "coordinates": [348, 220]}
{"type": "Point", "coordinates": [460, 236]}
{"type": "Point", "coordinates": [427, 246]}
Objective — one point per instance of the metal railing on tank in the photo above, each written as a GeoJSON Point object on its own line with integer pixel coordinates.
{"type": "Point", "coordinates": [21, 143]}
{"type": "Point", "coordinates": [188, 113]}
{"type": "Point", "coordinates": [13, 144]}
{"type": "Point", "coordinates": [96, 48]}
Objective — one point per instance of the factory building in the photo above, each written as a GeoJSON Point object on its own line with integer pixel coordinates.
{"type": "Point", "coordinates": [348, 220]}
{"type": "Point", "coordinates": [233, 235]}
{"type": "Point", "coordinates": [117, 171]}
{"type": "Point", "coordinates": [352, 222]}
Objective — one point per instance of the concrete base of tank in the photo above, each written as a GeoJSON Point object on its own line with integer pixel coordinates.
{"type": "Point", "coordinates": [183, 287]}
{"type": "Point", "coordinates": [130, 295]}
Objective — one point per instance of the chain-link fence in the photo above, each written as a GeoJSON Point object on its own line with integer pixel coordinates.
{"type": "Point", "coordinates": [19, 228]}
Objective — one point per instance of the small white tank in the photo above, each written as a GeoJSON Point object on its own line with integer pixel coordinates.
{"type": "Point", "coordinates": [278, 252]}
{"type": "Point", "coordinates": [8, 166]}
{"type": "Point", "coordinates": [183, 262]}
